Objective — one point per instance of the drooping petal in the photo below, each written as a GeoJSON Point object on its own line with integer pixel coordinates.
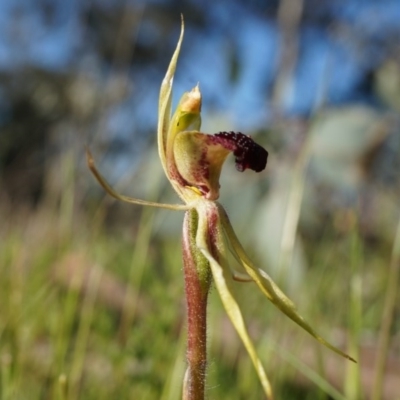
{"type": "Point", "coordinates": [210, 241]}
{"type": "Point", "coordinates": [269, 287]}
{"type": "Point", "coordinates": [106, 186]}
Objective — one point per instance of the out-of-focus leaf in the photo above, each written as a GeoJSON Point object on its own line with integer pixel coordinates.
{"type": "Point", "coordinates": [339, 139]}
{"type": "Point", "coordinates": [387, 83]}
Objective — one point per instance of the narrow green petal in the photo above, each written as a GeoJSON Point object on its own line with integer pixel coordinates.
{"type": "Point", "coordinates": [223, 280]}
{"type": "Point", "coordinates": [164, 103]}
{"type": "Point", "coordinates": [106, 186]}
{"type": "Point", "coordinates": [268, 286]}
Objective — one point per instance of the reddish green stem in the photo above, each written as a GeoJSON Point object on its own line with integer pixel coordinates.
{"type": "Point", "coordinates": [197, 284]}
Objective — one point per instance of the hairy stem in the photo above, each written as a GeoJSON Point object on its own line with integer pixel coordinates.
{"type": "Point", "coordinates": [197, 284]}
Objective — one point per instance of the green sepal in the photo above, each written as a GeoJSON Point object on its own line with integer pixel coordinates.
{"type": "Point", "coordinates": [191, 253]}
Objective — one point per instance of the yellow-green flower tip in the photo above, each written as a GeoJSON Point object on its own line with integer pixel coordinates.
{"type": "Point", "coordinates": [191, 101]}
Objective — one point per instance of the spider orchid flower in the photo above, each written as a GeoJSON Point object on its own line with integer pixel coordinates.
{"type": "Point", "coordinates": [192, 162]}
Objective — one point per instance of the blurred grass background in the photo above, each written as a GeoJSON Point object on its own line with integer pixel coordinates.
{"type": "Point", "coordinates": [91, 291]}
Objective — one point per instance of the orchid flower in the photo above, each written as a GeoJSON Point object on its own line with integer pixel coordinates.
{"type": "Point", "coordinates": [192, 162]}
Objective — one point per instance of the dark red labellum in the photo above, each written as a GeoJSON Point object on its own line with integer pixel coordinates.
{"type": "Point", "coordinates": [248, 154]}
